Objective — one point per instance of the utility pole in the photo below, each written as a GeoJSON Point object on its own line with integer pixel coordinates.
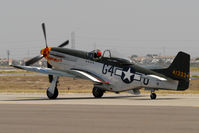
{"type": "Point", "coordinates": [73, 40]}
{"type": "Point", "coordinates": [28, 53]}
{"type": "Point", "coordinates": [94, 46]}
{"type": "Point", "coordinates": [164, 51]}
{"type": "Point", "coordinates": [8, 56]}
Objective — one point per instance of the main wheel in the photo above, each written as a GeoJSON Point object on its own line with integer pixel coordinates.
{"type": "Point", "coordinates": [153, 96]}
{"type": "Point", "coordinates": [54, 95]}
{"type": "Point", "coordinates": [97, 92]}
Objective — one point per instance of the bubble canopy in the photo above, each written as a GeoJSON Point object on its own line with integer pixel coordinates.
{"type": "Point", "coordinates": [110, 55]}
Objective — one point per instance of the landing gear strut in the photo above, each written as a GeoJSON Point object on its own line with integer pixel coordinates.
{"type": "Point", "coordinates": [52, 92]}
{"type": "Point", "coordinates": [98, 92]}
{"type": "Point", "coordinates": [153, 95]}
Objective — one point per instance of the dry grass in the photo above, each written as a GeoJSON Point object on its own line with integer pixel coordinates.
{"type": "Point", "coordinates": [39, 84]}
{"type": "Point", "coordinates": [194, 68]}
{"type": "Point", "coordinates": [14, 71]}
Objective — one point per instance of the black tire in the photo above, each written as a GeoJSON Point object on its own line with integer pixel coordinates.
{"type": "Point", "coordinates": [97, 92]}
{"type": "Point", "coordinates": [153, 96]}
{"type": "Point", "coordinates": [52, 96]}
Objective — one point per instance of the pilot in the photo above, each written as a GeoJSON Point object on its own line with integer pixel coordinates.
{"type": "Point", "coordinates": [98, 54]}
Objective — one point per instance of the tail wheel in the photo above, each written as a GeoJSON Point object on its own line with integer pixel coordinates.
{"type": "Point", "coordinates": [153, 96]}
{"type": "Point", "coordinates": [97, 92]}
{"type": "Point", "coordinates": [54, 95]}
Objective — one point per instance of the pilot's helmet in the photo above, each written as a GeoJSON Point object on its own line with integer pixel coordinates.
{"type": "Point", "coordinates": [99, 53]}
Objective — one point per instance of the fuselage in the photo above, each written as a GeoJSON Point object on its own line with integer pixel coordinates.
{"type": "Point", "coordinates": [122, 74]}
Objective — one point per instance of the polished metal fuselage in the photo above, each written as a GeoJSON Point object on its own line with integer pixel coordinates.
{"type": "Point", "coordinates": [122, 77]}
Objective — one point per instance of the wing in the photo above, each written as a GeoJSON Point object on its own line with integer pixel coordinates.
{"type": "Point", "coordinates": [91, 75]}
{"type": "Point", "coordinates": [82, 74]}
{"type": "Point", "coordinates": [48, 71]}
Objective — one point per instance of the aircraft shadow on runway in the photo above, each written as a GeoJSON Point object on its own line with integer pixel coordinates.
{"type": "Point", "coordinates": [86, 98]}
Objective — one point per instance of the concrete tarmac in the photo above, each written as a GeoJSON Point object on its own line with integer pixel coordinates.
{"type": "Point", "coordinates": [33, 113]}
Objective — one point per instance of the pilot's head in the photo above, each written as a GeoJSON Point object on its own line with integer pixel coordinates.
{"type": "Point", "coordinates": [99, 53]}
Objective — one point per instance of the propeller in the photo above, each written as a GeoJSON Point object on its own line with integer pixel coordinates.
{"type": "Point", "coordinates": [33, 60]}
{"type": "Point", "coordinates": [44, 31]}
{"type": "Point", "coordinates": [50, 77]}
{"type": "Point", "coordinates": [64, 44]}
{"type": "Point", "coordinates": [39, 57]}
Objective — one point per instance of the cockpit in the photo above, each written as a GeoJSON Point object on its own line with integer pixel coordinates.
{"type": "Point", "coordinates": [108, 57]}
{"type": "Point", "coordinates": [95, 54]}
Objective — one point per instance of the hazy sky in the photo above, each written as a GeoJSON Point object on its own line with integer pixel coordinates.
{"type": "Point", "coordinates": [128, 26]}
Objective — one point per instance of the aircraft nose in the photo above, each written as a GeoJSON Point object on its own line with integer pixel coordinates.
{"type": "Point", "coordinates": [45, 51]}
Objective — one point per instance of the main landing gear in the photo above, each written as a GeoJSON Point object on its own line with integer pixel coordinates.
{"type": "Point", "coordinates": [98, 92]}
{"type": "Point", "coordinates": [153, 95]}
{"type": "Point", "coordinates": [52, 92]}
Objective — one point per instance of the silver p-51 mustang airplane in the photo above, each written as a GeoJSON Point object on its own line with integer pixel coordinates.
{"type": "Point", "coordinates": [107, 72]}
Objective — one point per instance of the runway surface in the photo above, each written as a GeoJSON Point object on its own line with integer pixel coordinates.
{"type": "Point", "coordinates": [24, 113]}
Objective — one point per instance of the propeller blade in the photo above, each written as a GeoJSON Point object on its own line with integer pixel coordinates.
{"type": "Point", "coordinates": [33, 60]}
{"type": "Point", "coordinates": [50, 77]}
{"type": "Point", "coordinates": [44, 31]}
{"type": "Point", "coordinates": [49, 65]}
{"type": "Point", "coordinates": [64, 44]}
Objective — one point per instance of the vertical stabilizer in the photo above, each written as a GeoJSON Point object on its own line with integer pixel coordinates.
{"type": "Point", "coordinates": [179, 70]}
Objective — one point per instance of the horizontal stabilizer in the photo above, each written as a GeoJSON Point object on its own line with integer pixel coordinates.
{"type": "Point", "coordinates": [157, 77]}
